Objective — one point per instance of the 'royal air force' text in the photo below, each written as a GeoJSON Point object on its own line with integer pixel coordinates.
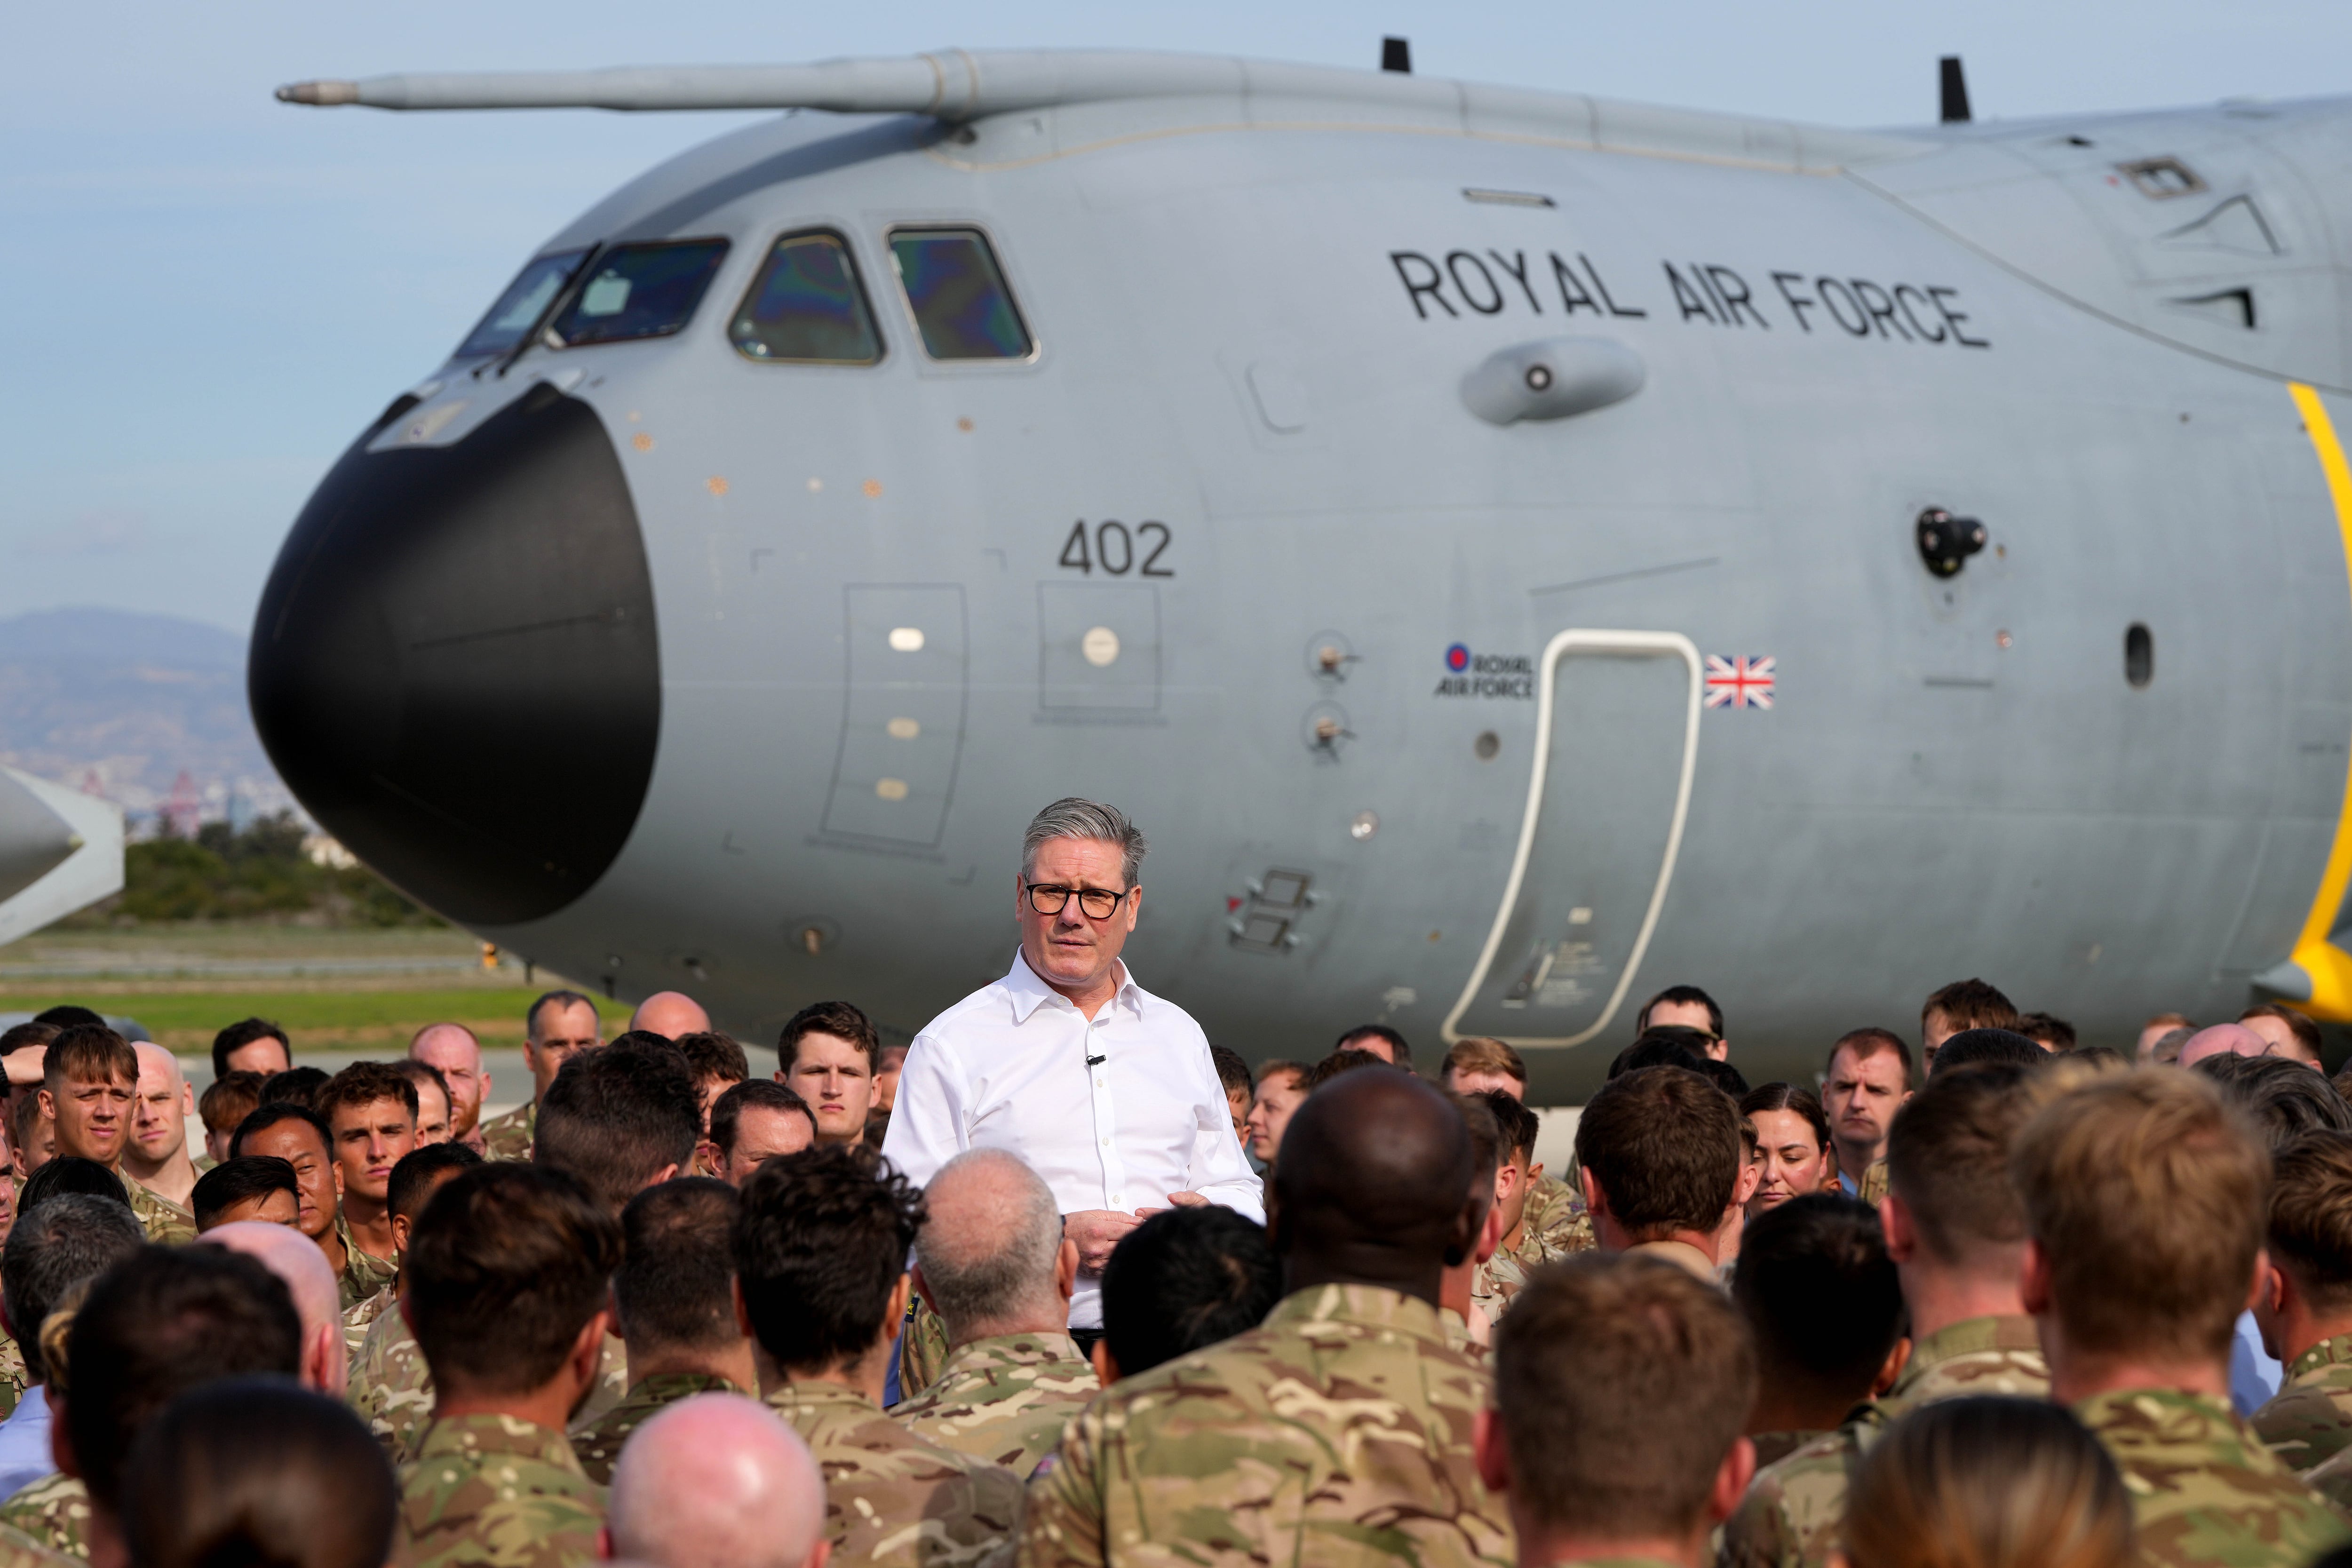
{"type": "Point", "coordinates": [1473, 283]}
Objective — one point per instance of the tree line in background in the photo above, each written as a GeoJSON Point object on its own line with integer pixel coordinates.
{"type": "Point", "coordinates": [256, 872]}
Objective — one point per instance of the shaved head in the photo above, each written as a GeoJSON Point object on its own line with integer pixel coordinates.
{"type": "Point", "coordinates": [455, 1053]}
{"type": "Point", "coordinates": [670, 1013]}
{"type": "Point", "coordinates": [2222, 1040]}
{"type": "Point", "coordinates": [717, 1481]}
{"type": "Point", "coordinates": [309, 1280]}
{"type": "Point", "coordinates": [435, 1042]}
{"type": "Point", "coordinates": [153, 1058]}
{"type": "Point", "coordinates": [1373, 1186]}
{"type": "Point", "coordinates": [989, 1254]}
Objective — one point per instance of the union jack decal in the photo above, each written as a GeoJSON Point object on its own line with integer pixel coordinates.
{"type": "Point", "coordinates": [1739, 682]}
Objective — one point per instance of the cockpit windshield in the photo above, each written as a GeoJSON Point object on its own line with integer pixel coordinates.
{"type": "Point", "coordinates": [958, 294]}
{"type": "Point", "coordinates": [522, 306]}
{"type": "Point", "coordinates": [638, 291]}
{"type": "Point", "coordinates": [807, 307]}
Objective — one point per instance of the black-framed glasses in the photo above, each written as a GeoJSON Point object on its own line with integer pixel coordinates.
{"type": "Point", "coordinates": [1052, 897]}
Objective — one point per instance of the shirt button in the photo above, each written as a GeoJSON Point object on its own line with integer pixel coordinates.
{"type": "Point", "coordinates": [1106, 1142]}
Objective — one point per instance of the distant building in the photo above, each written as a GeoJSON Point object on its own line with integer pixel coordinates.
{"type": "Point", "coordinates": [321, 850]}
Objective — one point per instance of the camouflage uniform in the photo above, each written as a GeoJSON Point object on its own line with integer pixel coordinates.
{"type": "Point", "coordinates": [923, 1348]}
{"type": "Point", "coordinates": [2204, 1491]}
{"type": "Point", "coordinates": [1337, 1433]}
{"type": "Point", "coordinates": [1683, 1256]}
{"type": "Point", "coordinates": [390, 1388]}
{"type": "Point", "coordinates": [1004, 1399]}
{"type": "Point", "coordinates": [18, 1549]}
{"type": "Point", "coordinates": [596, 1444]}
{"type": "Point", "coordinates": [168, 1225]}
{"type": "Point", "coordinates": [360, 1318]}
{"type": "Point", "coordinates": [53, 1513]}
{"type": "Point", "coordinates": [1771, 1447]}
{"type": "Point", "coordinates": [2310, 1421]}
{"type": "Point", "coordinates": [1873, 1185]}
{"type": "Point", "coordinates": [510, 1137]}
{"type": "Point", "coordinates": [1793, 1511]}
{"type": "Point", "coordinates": [14, 1377]}
{"type": "Point", "coordinates": [498, 1490]}
{"type": "Point", "coordinates": [1503, 1276]}
{"type": "Point", "coordinates": [1556, 1213]}
{"type": "Point", "coordinates": [891, 1497]}
{"type": "Point", "coordinates": [364, 1274]}
{"type": "Point", "coordinates": [2333, 1480]}
{"type": "Point", "coordinates": [1458, 1337]}
{"type": "Point", "coordinates": [612, 1386]}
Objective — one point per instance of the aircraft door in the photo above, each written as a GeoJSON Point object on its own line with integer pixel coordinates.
{"type": "Point", "coordinates": [1616, 739]}
{"type": "Point", "coordinates": [902, 715]}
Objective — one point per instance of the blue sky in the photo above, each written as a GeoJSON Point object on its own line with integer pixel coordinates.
{"type": "Point", "coordinates": [209, 292]}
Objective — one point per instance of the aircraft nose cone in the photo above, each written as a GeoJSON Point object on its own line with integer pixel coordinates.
{"type": "Point", "coordinates": [455, 665]}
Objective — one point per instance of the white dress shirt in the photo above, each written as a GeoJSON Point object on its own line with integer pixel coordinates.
{"type": "Point", "coordinates": [1007, 1068]}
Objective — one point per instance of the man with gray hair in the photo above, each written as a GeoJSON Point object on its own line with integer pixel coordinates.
{"type": "Point", "coordinates": [993, 1265]}
{"type": "Point", "coordinates": [71, 1239]}
{"type": "Point", "coordinates": [1105, 1091]}
{"type": "Point", "coordinates": [673, 1507]}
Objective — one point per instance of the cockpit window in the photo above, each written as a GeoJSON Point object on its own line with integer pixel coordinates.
{"type": "Point", "coordinates": [639, 291]}
{"type": "Point", "coordinates": [521, 307]}
{"type": "Point", "coordinates": [958, 294]}
{"type": "Point", "coordinates": [808, 307]}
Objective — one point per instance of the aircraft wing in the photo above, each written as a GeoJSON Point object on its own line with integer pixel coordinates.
{"type": "Point", "coordinates": [956, 86]}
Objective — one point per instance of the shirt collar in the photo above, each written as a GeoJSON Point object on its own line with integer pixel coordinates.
{"type": "Point", "coordinates": [1029, 993]}
{"type": "Point", "coordinates": [1367, 1306]}
{"type": "Point", "coordinates": [2334, 1351]}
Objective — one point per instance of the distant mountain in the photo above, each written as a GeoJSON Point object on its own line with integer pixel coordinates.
{"type": "Point", "coordinates": [133, 701]}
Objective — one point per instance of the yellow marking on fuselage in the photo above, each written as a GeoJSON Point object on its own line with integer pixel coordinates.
{"type": "Point", "coordinates": [2329, 966]}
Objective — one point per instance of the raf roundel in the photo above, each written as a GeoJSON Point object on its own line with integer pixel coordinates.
{"type": "Point", "coordinates": [1457, 659]}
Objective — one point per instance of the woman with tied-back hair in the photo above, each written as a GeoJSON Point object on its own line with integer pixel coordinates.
{"type": "Point", "coordinates": [1987, 1482]}
{"type": "Point", "coordinates": [1792, 1141]}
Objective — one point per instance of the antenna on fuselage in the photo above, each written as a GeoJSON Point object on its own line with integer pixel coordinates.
{"type": "Point", "coordinates": [1396, 55]}
{"type": "Point", "coordinates": [1956, 91]}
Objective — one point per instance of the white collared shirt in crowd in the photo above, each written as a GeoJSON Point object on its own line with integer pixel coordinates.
{"type": "Point", "coordinates": [1007, 1068]}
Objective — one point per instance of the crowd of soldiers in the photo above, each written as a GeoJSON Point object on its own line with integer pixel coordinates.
{"type": "Point", "coordinates": [1974, 1310]}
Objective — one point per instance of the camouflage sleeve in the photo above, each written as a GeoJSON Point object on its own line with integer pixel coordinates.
{"type": "Point", "coordinates": [1063, 1524]}
{"type": "Point", "coordinates": [1760, 1533]}
{"type": "Point", "coordinates": [2303, 1427]}
{"type": "Point", "coordinates": [2333, 1481]}
{"type": "Point", "coordinates": [923, 1348]}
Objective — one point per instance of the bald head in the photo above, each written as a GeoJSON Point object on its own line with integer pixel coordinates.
{"type": "Point", "coordinates": [157, 1062]}
{"type": "Point", "coordinates": [445, 1045]}
{"type": "Point", "coordinates": [2222, 1040]}
{"type": "Point", "coordinates": [156, 1151]}
{"type": "Point", "coordinates": [318, 1301]}
{"type": "Point", "coordinates": [454, 1049]}
{"type": "Point", "coordinates": [990, 1257]}
{"type": "Point", "coordinates": [670, 1013]}
{"type": "Point", "coordinates": [717, 1482]}
{"type": "Point", "coordinates": [1373, 1186]}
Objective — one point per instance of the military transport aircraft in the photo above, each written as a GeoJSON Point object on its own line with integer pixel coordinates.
{"type": "Point", "coordinates": [1510, 550]}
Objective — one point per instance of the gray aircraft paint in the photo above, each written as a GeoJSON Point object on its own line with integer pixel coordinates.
{"type": "Point", "coordinates": [1256, 311]}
